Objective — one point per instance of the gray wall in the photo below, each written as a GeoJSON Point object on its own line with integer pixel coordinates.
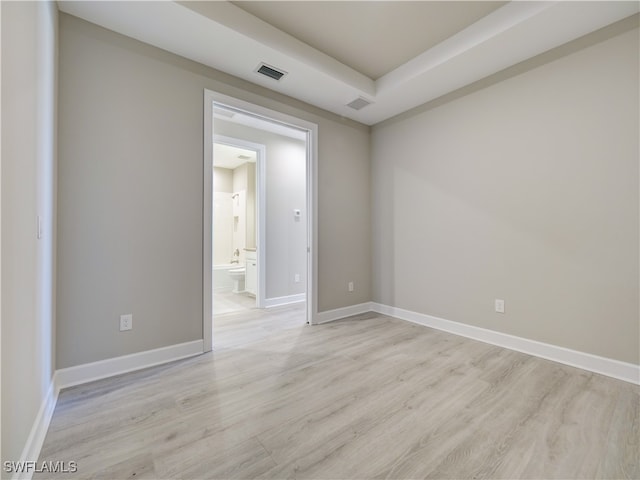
{"type": "Point", "coordinates": [526, 191]}
{"type": "Point", "coordinates": [28, 190]}
{"type": "Point", "coordinates": [130, 194]}
{"type": "Point", "coordinates": [286, 238]}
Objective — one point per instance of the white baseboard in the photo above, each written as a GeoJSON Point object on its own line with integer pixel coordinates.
{"type": "Point", "coordinates": [586, 361]}
{"type": "Point", "coordinates": [33, 445]}
{"type": "Point", "coordinates": [68, 377]}
{"type": "Point", "coordinates": [88, 372]}
{"type": "Point", "coordinates": [279, 301]}
{"type": "Point", "coordinates": [338, 313]}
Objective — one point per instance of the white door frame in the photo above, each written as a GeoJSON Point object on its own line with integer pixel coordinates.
{"type": "Point", "coordinates": [261, 183]}
{"type": "Point", "coordinates": [311, 129]}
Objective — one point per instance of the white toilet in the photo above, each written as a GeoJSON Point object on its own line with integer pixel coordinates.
{"type": "Point", "coordinates": [237, 275]}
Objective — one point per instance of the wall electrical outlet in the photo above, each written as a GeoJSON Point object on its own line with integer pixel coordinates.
{"type": "Point", "coordinates": [350, 286]}
{"type": "Point", "coordinates": [296, 278]}
{"type": "Point", "coordinates": [126, 322]}
{"type": "Point", "coordinates": [499, 305]}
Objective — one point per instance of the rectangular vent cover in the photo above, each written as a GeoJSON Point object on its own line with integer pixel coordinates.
{"type": "Point", "coordinates": [359, 103]}
{"type": "Point", "coordinates": [270, 72]}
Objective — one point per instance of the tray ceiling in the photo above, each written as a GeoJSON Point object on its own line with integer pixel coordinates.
{"type": "Point", "coordinates": [394, 55]}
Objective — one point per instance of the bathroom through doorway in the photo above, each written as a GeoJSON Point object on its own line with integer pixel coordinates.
{"type": "Point", "coordinates": [237, 224]}
{"type": "Point", "coordinates": [260, 213]}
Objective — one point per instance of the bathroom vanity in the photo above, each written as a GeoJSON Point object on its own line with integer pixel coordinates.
{"type": "Point", "coordinates": [251, 279]}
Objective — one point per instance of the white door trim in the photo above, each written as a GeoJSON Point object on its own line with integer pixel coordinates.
{"type": "Point", "coordinates": [207, 223]}
{"type": "Point", "coordinates": [211, 97]}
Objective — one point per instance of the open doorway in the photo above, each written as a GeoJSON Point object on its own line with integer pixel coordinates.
{"type": "Point", "coordinates": [259, 195]}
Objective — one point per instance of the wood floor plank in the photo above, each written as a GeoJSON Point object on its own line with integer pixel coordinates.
{"type": "Point", "coordinates": [622, 445]}
{"type": "Point", "coordinates": [216, 460]}
{"type": "Point", "coordinates": [365, 397]}
{"type": "Point", "coordinates": [349, 441]}
{"type": "Point", "coordinates": [140, 467]}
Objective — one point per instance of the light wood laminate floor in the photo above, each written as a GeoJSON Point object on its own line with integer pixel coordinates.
{"type": "Point", "coordinates": [226, 301]}
{"type": "Point", "coordinates": [365, 397]}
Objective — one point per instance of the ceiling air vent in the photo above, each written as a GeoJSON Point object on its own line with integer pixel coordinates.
{"type": "Point", "coordinates": [244, 157]}
{"type": "Point", "coordinates": [270, 72]}
{"type": "Point", "coordinates": [359, 103]}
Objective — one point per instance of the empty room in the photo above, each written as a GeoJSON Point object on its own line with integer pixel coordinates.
{"type": "Point", "coordinates": [320, 239]}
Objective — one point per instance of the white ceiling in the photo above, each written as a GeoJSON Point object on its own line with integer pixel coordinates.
{"type": "Point", "coordinates": [228, 156]}
{"type": "Point", "coordinates": [416, 53]}
{"type": "Point", "coordinates": [375, 37]}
